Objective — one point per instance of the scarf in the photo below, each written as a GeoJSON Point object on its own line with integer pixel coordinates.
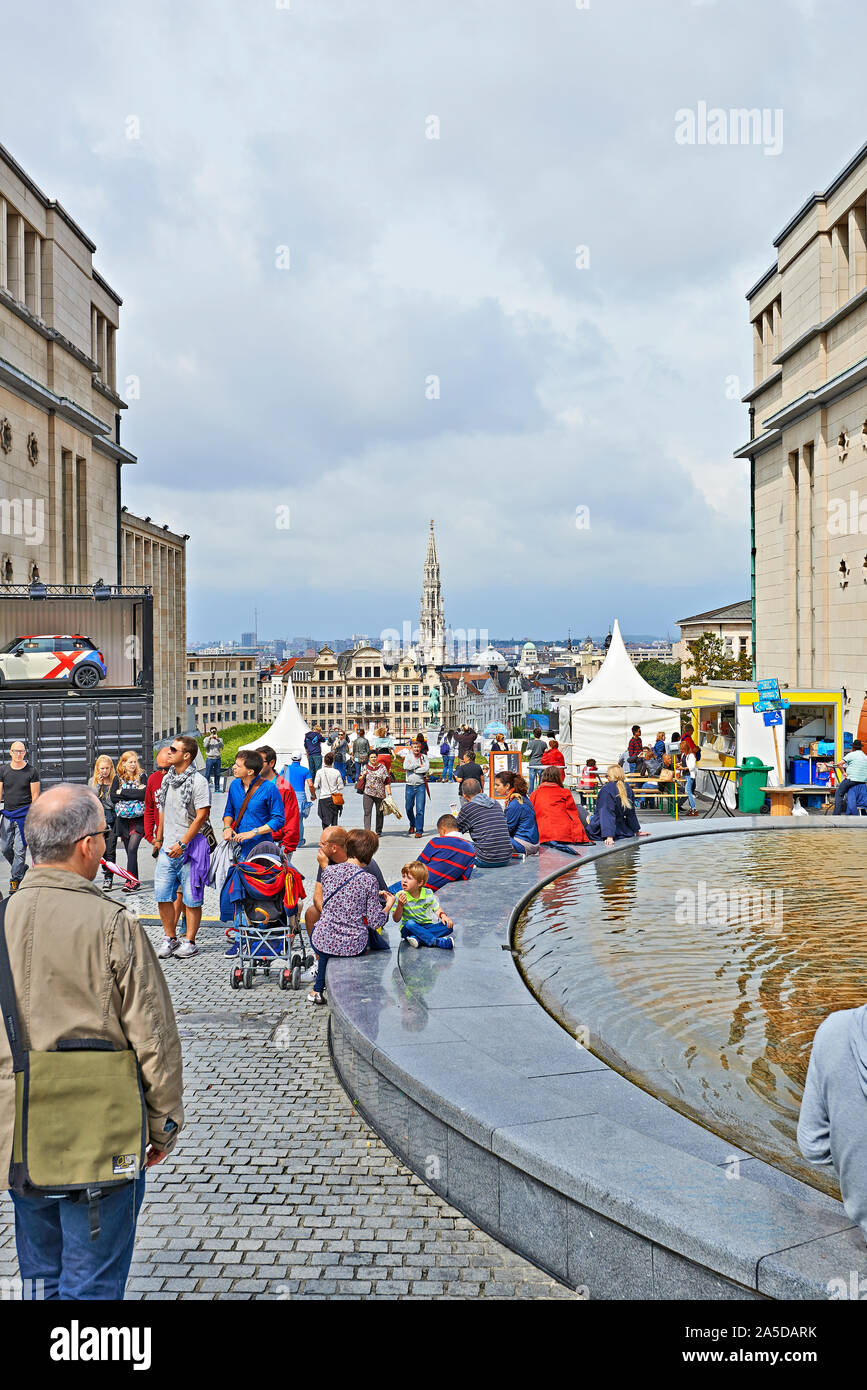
{"type": "Point", "coordinates": [184, 787]}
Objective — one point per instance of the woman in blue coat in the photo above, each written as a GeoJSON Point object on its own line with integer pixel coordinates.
{"type": "Point", "coordinates": [614, 817]}
{"type": "Point", "coordinates": [511, 788]}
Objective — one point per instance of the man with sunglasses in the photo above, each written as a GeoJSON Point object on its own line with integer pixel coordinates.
{"type": "Point", "coordinates": [83, 968]}
{"type": "Point", "coordinates": [184, 799]}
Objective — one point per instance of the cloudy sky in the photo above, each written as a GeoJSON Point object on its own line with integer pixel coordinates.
{"type": "Point", "coordinates": [337, 321]}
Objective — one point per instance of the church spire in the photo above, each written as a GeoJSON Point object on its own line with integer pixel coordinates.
{"type": "Point", "coordinates": [432, 623]}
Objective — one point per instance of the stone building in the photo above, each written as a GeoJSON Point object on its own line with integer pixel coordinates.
{"type": "Point", "coordinates": [221, 689]}
{"type": "Point", "coordinates": [808, 445]}
{"type": "Point", "coordinates": [357, 687]}
{"type": "Point", "coordinates": [60, 451]}
{"type": "Point", "coordinates": [733, 624]}
{"type": "Point", "coordinates": [155, 556]}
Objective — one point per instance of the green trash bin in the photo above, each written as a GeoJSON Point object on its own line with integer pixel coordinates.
{"type": "Point", "coordinates": [751, 781]}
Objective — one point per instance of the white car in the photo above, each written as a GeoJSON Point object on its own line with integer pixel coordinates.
{"type": "Point", "coordinates": [42, 657]}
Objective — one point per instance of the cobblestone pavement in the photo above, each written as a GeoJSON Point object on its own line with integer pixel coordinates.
{"type": "Point", "coordinates": [279, 1189]}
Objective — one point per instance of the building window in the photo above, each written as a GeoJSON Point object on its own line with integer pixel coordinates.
{"type": "Point", "coordinates": [367, 672]}
{"type": "Point", "coordinates": [375, 672]}
{"type": "Point", "coordinates": [331, 675]}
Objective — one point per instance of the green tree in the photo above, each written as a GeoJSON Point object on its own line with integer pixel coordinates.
{"type": "Point", "coordinates": [709, 661]}
{"type": "Point", "coordinates": [662, 675]}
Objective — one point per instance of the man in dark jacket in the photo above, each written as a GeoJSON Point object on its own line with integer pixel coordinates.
{"type": "Point", "coordinates": [466, 740]}
{"type": "Point", "coordinates": [313, 741]}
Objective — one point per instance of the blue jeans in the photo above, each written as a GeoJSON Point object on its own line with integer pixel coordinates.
{"type": "Point", "coordinates": [314, 762]}
{"type": "Point", "coordinates": [212, 769]}
{"type": "Point", "coordinates": [56, 1256]}
{"type": "Point", "coordinates": [427, 933]}
{"type": "Point", "coordinates": [690, 792]}
{"type": "Point", "coordinates": [448, 767]}
{"type": "Point", "coordinates": [535, 777]}
{"type": "Point", "coordinates": [359, 764]}
{"type": "Point", "coordinates": [13, 847]}
{"type": "Point", "coordinates": [415, 797]}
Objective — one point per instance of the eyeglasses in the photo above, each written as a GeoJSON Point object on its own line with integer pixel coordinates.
{"type": "Point", "coordinates": [102, 831]}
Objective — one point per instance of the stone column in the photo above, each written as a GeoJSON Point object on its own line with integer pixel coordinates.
{"type": "Point", "coordinates": [840, 262]}
{"type": "Point", "coordinates": [15, 241]}
{"type": "Point", "coordinates": [3, 242]}
{"type": "Point", "coordinates": [857, 249]}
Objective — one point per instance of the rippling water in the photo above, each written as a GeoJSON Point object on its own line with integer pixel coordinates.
{"type": "Point", "coordinates": [709, 1001]}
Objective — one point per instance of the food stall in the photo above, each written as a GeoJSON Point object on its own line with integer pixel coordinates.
{"type": "Point", "coordinates": [800, 748]}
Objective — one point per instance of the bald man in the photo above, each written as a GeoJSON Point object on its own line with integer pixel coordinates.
{"type": "Point", "coordinates": [61, 926]}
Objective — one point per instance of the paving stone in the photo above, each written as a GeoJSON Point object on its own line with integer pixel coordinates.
{"type": "Point", "coordinates": [277, 1183]}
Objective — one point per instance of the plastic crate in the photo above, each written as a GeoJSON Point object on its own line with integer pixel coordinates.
{"type": "Point", "coordinates": [820, 777]}
{"type": "Point", "coordinates": [801, 770]}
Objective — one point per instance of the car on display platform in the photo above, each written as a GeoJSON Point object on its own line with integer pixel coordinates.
{"type": "Point", "coordinates": [38, 658]}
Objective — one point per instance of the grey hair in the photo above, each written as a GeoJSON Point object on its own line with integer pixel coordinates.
{"type": "Point", "coordinates": [471, 787]}
{"type": "Point", "coordinates": [58, 819]}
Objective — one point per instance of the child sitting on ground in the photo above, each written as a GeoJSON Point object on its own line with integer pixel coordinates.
{"type": "Point", "coordinates": [417, 909]}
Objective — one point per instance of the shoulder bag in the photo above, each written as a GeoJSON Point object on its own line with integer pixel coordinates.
{"type": "Point", "coordinates": [80, 1117]}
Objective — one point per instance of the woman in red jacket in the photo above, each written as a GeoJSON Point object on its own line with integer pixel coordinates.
{"type": "Point", "coordinates": [560, 825]}
{"type": "Point", "coordinates": [554, 758]}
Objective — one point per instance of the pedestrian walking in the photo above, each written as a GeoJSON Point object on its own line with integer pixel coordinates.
{"type": "Point", "coordinates": [374, 783]}
{"type": "Point", "coordinates": [78, 1245]}
{"type": "Point", "coordinates": [183, 856]}
{"type": "Point", "coordinates": [127, 796]}
{"type": "Point", "coordinates": [535, 752]}
{"type": "Point", "coordinates": [340, 752]}
{"type": "Point", "coordinates": [360, 753]}
{"type": "Point", "coordinates": [213, 758]}
{"type": "Point", "coordinates": [298, 775]}
{"type": "Point", "coordinates": [100, 782]}
{"type": "Point", "coordinates": [447, 754]}
{"type": "Point", "coordinates": [289, 836]}
{"type": "Point", "coordinates": [313, 741]}
{"type": "Point", "coordinates": [19, 788]}
{"type": "Point", "coordinates": [328, 788]}
{"type": "Point", "coordinates": [416, 766]}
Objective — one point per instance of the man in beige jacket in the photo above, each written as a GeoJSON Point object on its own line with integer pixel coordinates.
{"type": "Point", "coordinates": [83, 967]}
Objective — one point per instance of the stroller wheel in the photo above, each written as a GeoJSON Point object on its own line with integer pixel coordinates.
{"type": "Point", "coordinates": [296, 977]}
{"type": "Point", "coordinates": [296, 960]}
{"type": "Point", "coordinates": [235, 978]}
{"type": "Point", "coordinates": [248, 977]}
{"type": "Point", "coordinates": [285, 979]}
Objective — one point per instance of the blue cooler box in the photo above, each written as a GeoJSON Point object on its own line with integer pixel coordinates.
{"type": "Point", "coordinates": [801, 770]}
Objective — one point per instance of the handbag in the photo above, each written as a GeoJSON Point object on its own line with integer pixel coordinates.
{"type": "Point", "coordinates": [337, 798]}
{"type": "Point", "coordinates": [80, 1117]}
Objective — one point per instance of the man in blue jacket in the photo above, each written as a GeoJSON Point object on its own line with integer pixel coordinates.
{"type": "Point", "coordinates": [263, 812]}
{"type": "Point", "coordinates": [313, 741]}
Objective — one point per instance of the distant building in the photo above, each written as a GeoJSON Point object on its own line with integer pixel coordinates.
{"type": "Point", "coordinates": [221, 689]}
{"type": "Point", "coordinates": [732, 623]}
{"type": "Point", "coordinates": [155, 556]}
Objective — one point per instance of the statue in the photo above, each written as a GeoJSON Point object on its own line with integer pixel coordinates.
{"type": "Point", "coordinates": [433, 704]}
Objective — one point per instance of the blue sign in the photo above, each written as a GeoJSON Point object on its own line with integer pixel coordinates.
{"type": "Point", "coordinates": [772, 716]}
{"type": "Point", "coordinates": [769, 689]}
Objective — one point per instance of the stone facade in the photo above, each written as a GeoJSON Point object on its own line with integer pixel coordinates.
{"type": "Point", "coordinates": [60, 458]}
{"type": "Point", "coordinates": [221, 689]}
{"type": "Point", "coordinates": [359, 688]}
{"type": "Point", "coordinates": [155, 556]}
{"type": "Point", "coordinates": [733, 624]}
{"type": "Point", "coordinates": [808, 445]}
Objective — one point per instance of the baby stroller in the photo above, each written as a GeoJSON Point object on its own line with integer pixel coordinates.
{"type": "Point", "coordinates": [263, 895]}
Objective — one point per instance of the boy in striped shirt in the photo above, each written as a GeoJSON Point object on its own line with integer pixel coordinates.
{"type": "Point", "coordinates": [423, 922]}
{"type": "Point", "coordinates": [449, 856]}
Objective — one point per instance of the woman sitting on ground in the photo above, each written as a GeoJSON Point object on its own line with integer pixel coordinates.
{"type": "Point", "coordinates": [350, 903]}
{"type": "Point", "coordinates": [559, 823]}
{"type": "Point", "coordinates": [614, 817]}
{"type": "Point", "coordinates": [520, 816]}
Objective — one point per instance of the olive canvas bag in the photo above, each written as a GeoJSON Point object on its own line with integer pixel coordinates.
{"type": "Point", "coordinates": [80, 1116]}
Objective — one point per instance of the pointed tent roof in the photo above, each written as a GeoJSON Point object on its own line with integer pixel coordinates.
{"type": "Point", "coordinates": [617, 684]}
{"type": "Point", "coordinates": [286, 734]}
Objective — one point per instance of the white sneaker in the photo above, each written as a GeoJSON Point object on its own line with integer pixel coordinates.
{"type": "Point", "coordinates": [168, 948]}
{"type": "Point", "coordinates": [308, 976]}
{"type": "Point", "coordinates": [411, 941]}
{"type": "Point", "coordinates": [186, 949]}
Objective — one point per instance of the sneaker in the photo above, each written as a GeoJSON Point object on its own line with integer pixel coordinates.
{"type": "Point", "coordinates": [445, 943]}
{"type": "Point", "coordinates": [233, 949]}
{"type": "Point", "coordinates": [168, 948]}
{"type": "Point", "coordinates": [314, 998]}
{"type": "Point", "coordinates": [411, 941]}
{"type": "Point", "coordinates": [308, 976]}
{"type": "Point", "coordinates": [187, 949]}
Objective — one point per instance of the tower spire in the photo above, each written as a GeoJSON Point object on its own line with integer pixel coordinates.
{"type": "Point", "coordinates": [432, 623]}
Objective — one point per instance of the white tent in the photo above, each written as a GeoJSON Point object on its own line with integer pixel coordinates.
{"type": "Point", "coordinates": [286, 734]}
{"type": "Point", "coordinates": [597, 721]}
